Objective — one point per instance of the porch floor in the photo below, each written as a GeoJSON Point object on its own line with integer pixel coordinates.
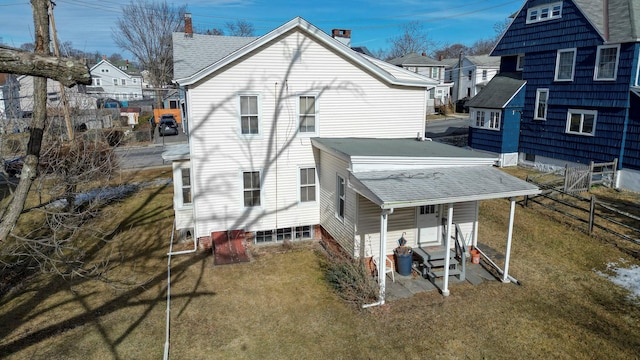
{"type": "Point", "coordinates": [407, 286]}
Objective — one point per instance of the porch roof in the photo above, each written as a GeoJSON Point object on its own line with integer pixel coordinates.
{"type": "Point", "coordinates": [441, 185]}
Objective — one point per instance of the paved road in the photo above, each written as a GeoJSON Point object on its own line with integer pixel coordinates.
{"type": "Point", "coordinates": [455, 125]}
{"type": "Point", "coordinates": [148, 156]}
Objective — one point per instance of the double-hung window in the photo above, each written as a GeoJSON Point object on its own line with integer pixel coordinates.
{"type": "Point", "coordinates": [484, 74]}
{"type": "Point", "coordinates": [607, 62]}
{"type": "Point", "coordinates": [115, 82]}
{"type": "Point", "coordinates": [308, 185]}
{"type": "Point", "coordinates": [307, 114]}
{"type": "Point", "coordinates": [479, 118]}
{"type": "Point", "coordinates": [494, 120]}
{"type": "Point", "coordinates": [434, 73]}
{"type": "Point", "coordinates": [123, 81]}
{"type": "Point", "coordinates": [581, 122]}
{"type": "Point", "coordinates": [340, 197]}
{"type": "Point", "coordinates": [249, 116]}
{"type": "Point", "coordinates": [251, 188]}
{"type": "Point", "coordinates": [542, 97]}
{"type": "Point", "coordinates": [565, 64]}
{"type": "Point", "coordinates": [185, 178]}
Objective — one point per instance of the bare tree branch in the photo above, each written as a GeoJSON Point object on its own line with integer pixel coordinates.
{"type": "Point", "coordinates": [66, 70]}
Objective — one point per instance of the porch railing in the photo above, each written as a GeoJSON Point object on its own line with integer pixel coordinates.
{"type": "Point", "coordinates": [461, 250]}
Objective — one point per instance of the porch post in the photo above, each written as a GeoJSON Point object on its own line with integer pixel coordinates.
{"type": "Point", "coordinates": [447, 247]}
{"type": "Point", "coordinates": [382, 261]}
{"type": "Point", "coordinates": [505, 276]}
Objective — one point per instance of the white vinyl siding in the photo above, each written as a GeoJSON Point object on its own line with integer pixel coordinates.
{"type": "Point", "coordinates": [183, 210]}
{"type": "Point", "coordinates": [607, 62]}
{"type": "Point", "coordinates": [341, 230]}
{"type": "Point", "coordinates": [542, 98]}
{"type": "Point", "coordinates": [565, 65]}
{"type": "Point", "coordinates": [582, 122]}
{"type": "Point", "coordinates": [362, 108]}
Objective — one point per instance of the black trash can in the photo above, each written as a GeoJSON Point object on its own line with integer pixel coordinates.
{"type": "Point", "coordinates": [404, 257]}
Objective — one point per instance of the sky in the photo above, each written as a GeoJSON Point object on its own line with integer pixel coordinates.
{"type": "Point", "coordinates": [88, 24]}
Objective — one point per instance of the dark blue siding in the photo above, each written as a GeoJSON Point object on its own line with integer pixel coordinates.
{"type": "Point", "coordinates": [484, 139]}
{"type": "Point", "coordinates": [572, 28]}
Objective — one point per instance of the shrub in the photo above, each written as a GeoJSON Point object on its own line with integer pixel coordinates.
{"type": "Point", "coordinates": [350, 278]}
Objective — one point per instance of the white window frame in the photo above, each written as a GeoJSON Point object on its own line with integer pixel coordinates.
{"type": "Point", "coordinates": [485, 74]}
{"type": "Point", "coordinates": [180, 177]}
{"type": "Point", "coordinates": [596, 70]}
{"type": "Point", "coordinates": [123, 82]}
{"type": "Point", "coordinates": [520, 62]}
{"type": "Point", "coordinates": [544, 12]}
{"type": "Point", "coordinates": [341, 197]}
{"type": "Point", "coordinates": [258, 114]}
{"type": "Point", "coordinates": [245, 189]}
{"type": "Point", "coordinates": [489, 119]}
{"type": "Point", "coordinates": [315, 115]}
{"type": "Point", "coordinates": [581, 112]}
{"type": "Point", "coordinates": [539, 102]}
{"type": "Point", "coordinates": [434, 73]}
{"type": "Point", "coordinates": [115, 82]}
{"type": "Point", "coordinates": [97, 82]}
{"type": "Point", "coordinates": [573, 64]}
{"type": "Point", "coordinates": [305, 186]}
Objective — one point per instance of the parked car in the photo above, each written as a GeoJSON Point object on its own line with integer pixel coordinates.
{"type": "Point", "coordinates": [167, 125]}
{"type": "Point", "coordinates": [13, 167]}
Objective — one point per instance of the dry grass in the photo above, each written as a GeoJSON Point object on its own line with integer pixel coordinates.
{"type": "Point", "coordinates": [280, 307]}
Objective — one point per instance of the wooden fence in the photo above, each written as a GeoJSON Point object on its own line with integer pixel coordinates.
{"type": "Point", "coordinates": [590, 212]}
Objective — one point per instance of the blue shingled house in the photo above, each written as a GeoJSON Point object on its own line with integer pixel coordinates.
{"type": "Point", "coordinates": [578, 61]}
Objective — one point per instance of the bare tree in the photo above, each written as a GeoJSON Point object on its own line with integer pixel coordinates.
{"type": "Point", "coordinates": [240, 28]}
{"type": "Point", "coordinates": [42, 65]}
{"type": "Point", "coordinates": [451, 51]}
{"type": "Point", "coordinates": [412, 40]}
{"type": "Point", "coordinates": [145, 30]}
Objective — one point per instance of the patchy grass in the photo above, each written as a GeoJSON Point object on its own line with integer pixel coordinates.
{"type": "Point", "coordinates": [280, 306]}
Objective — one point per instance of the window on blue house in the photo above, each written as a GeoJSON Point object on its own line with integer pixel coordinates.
{"type": "Point", "coordinates": [486, 119]}
{"type": "Point", "coordinates": [565, 64]}
{"type": "Point", "coordinates": [581, 122]}
{"type": "Point", "coordinates": [607, 63]}
{"type": "Point", "coordinates": [544, 12]}
{"type": "Point", "coordinates": [520, 62]}
{"type": "Point", "coordinates": [542, 97]}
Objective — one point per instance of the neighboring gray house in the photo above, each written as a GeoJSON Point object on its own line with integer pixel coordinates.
{"type": "Point", "coordinates": [476, 73]}
{"type": "Point", "coordinates": [111, 81]}
{"type": "Point", "coordinates": [432, 68]}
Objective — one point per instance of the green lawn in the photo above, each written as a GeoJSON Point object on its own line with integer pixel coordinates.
{"type": "Point", "coordinates": [279, 306]}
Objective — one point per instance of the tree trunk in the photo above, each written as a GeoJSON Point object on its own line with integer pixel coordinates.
{"type": "Point", "coordinates": [30, 167]}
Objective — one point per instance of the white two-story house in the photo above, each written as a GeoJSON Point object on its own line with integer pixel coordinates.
{"type": "Point", "coordinates": [109, 81]}
{"type": "Point", "coordinates": [293, 135]}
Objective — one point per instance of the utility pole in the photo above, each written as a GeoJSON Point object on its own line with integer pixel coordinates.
{"type": "Point", "coordinates": [63, 94]}
{"type": "Point", "coordinates": [459, 76]}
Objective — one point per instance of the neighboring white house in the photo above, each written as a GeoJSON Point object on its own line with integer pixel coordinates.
{"type": "Point", "coordinates": [432, 68]}
{"type": "Point", "coordinates": [76, 99]}
{"type": "Point", "coordinates": [293, 135]}
{"type": "Point", "coordinates": [476, 73]}
{"type": "Point", "coordinates": [110, 81]}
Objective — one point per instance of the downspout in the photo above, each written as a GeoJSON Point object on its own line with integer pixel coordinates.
{"type": "Point", "coordinates": [168, 311]}
{"type": "Point", "coordinates": [447, 249]}
{"type": "Point", "coordinates": [505, 277]}
{"type": "Point", "coordinates": [382, 263]}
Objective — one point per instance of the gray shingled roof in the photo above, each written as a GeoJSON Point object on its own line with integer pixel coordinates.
{"type": "Point", "coordinates": [396, 148]}
{"type": "Point", "coordinates": [409, 188]}
{"type": "Point", "coordinates": [624, 18]}
{"type": "Point", "coordinates": [415, 59]}
{"type": "Point", "coordinates": [498, 91]}
{"type": "Point", "coordinates": [192, 54]}
{"type": "Point", "coordinates": [484, 60]}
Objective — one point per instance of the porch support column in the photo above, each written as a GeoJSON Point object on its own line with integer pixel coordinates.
{"type": "Point", "coordinates": [447, 247]}
{"type": "Point", "coordinates": [505, 276]}
{"type": "Point", "coordinates": [382, 261]}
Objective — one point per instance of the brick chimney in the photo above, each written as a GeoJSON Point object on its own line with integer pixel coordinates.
{"type": "Point", "coordinates": [188, 25]}
{"type": "Point", "coordinates": [344, 36]}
